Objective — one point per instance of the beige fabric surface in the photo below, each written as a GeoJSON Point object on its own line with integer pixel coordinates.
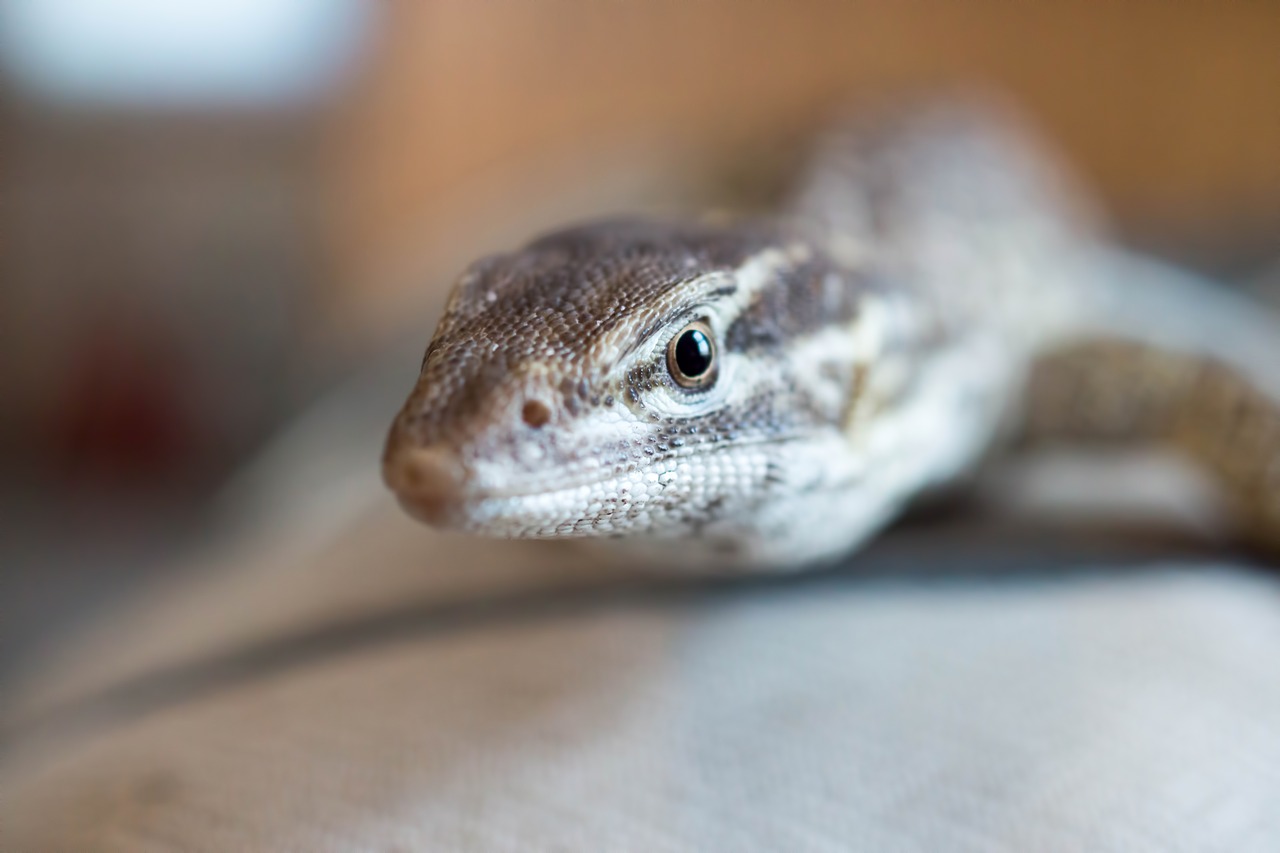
{"type": "Point", "coordinates": [1138, 711]}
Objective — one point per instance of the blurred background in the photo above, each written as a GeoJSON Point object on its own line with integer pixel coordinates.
{"type": "Point", "coordinates": [212, 213]}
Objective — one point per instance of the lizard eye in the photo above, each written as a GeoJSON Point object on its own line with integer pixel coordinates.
{"type": "Point", "coordinates": [691, 356]}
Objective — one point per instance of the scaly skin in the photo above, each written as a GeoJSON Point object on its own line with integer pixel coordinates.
{"type": "Point", "coordinates": [932, 286]}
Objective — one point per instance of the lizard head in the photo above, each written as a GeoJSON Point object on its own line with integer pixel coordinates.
{"type": "Point", "coordinates": [625, 378]}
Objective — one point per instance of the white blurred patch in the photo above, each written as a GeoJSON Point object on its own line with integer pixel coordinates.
{"type": "Point", "coordinates": [1128, 485]}
{"type": "Point", "coordinates": [179, 52]}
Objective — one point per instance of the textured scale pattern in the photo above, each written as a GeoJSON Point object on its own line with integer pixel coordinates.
{"type": "Point", "coordinates": [933, 286]}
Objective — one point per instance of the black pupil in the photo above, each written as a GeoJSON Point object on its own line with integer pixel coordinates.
{"type": "Point", "coordinates": [693, 353]}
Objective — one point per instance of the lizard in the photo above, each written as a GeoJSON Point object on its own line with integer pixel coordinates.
{"type": "Point", "coordinates": [768, 391]}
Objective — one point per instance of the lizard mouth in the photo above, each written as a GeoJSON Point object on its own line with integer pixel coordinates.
{"type": "Point", "coordinates": [433, 486]}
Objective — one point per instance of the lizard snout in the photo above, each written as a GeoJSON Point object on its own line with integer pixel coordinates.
{"type": "Point", "coordinates": [428, 481]}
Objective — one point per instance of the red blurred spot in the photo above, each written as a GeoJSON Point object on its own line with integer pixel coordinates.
{"type": "Point", "coordinates": [122, 418]}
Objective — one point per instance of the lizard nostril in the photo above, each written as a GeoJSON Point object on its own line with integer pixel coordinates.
{"type": "Point", "coordinates": [535, 413]}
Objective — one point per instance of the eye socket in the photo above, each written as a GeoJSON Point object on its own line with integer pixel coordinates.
{"type": "Point", "coordinates": [691, 356]}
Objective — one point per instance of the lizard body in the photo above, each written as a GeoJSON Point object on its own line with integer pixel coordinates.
{"type": "Point", "coordinates": [772, 391]}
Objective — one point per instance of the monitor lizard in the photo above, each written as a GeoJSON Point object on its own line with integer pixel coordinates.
{"type": "Point", "coordinates": [769, 391]}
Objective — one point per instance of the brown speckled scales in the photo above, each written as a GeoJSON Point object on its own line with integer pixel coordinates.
{"type": "Point", "coordinates": [769, 392]}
